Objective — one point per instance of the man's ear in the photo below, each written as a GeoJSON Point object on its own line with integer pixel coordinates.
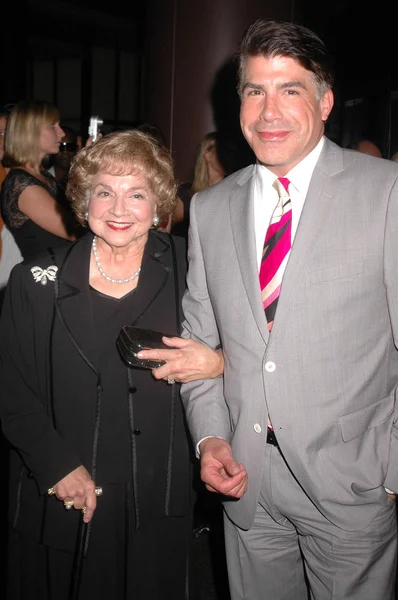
{"type": "Point", "coordinates": [327, 102]}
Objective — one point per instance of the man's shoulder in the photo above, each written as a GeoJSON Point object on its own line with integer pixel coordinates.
{"type": "Point", "coordinates": [352, 163]}
{"type": "Point", "coordinates": [225, 186]}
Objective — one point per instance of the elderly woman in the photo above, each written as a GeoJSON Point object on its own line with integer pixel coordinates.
{"type": "Point", "coordinates": [78, 419]}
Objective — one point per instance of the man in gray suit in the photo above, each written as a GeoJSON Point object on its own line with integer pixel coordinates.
{"type": "Point", "coordinates": [300, 434]}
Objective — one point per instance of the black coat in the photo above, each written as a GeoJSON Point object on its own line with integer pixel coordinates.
{"type": "Point", "coordinates": [50, 393]}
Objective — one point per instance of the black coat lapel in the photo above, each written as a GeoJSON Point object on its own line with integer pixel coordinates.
{"type": "Point", "coordinates": [74, 300]}
{"type": "Point", "coordinates": [155, 273]}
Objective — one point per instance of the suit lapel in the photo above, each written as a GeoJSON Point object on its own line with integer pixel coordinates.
{"type": "Point", "coordinates": [241, 208]}
{"type": "Point", "coordinates": [319, 202]}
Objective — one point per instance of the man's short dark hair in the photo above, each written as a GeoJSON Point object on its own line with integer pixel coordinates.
{"type": "Point", "coordinates": [269, 38]}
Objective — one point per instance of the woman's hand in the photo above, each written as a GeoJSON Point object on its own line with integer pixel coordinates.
{"type": "Point", "coordinates": [185, 361]}
{"type": "Point", "coordinates": [79, 488]}
{"type": "Point", "coordinates": [90, 141]}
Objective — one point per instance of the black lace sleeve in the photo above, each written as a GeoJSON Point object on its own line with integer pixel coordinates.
{"type": "Point", "coordinates": [14, 184]}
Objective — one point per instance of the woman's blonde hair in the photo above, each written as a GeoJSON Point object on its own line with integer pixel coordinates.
{"type": "Point", "coordinates": [201, 179]}
{"type": "Point", "coordinates": [123, 153]}
{"type": "Point", "coordinates": [22, 137]}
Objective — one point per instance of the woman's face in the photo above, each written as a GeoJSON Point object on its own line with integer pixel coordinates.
{"type": "Point", "coordinates": [50, 138]}
{"type": "Point", "coordinates": [121, 209]}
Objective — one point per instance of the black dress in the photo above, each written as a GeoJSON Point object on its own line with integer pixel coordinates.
{"type": "Point", "coordinates": [148, 563]}
{"type": "Point", "coordinates": [31, 238]}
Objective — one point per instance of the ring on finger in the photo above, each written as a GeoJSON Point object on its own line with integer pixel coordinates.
{"type": "Point", "coordinates": [84, 510]}
{"type": "Point", "coordinates": [68, 504]}
{"type": "Point", "coordinates": [51, 491]}
{"type": "Point", "coordinates": [98, 491]}
{"type": "Point", "coordinates": [171, 381]}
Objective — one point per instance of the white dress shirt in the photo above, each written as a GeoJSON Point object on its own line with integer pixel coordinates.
{"type": "Point", "coordinates": [266, 196]}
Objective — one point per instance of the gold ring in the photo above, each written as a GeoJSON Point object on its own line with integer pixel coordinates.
{"type": "Point", "coordinates": [50, 491]}
{"type": "Point", "coordinates": [68, 504]}
{"type": "Point", "coordinates": [98, 491]}
{"type": "Point", "coordinates": [84, 510]}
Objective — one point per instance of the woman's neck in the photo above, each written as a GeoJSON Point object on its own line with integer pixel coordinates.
{"type": "Point", "coordinates": [35, 170]}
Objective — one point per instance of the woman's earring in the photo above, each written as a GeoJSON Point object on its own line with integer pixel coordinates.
{"type": "Point", "coordinates": [86, 215]}
{"type": "Point", "coordinates": [155, 221]}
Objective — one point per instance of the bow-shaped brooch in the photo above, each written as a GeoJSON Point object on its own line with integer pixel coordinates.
{"type": "Point", "coordinates": [42, 275]}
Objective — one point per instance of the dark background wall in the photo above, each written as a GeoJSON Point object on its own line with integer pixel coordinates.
{"type": "Point", "coordinates": [169, 62]}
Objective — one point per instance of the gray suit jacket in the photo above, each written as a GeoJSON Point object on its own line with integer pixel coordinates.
{"type": "Point", "coordinates": [327, 374]}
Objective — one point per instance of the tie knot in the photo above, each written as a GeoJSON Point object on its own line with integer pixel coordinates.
{"type": "Point", "coordinates": [282, 186]}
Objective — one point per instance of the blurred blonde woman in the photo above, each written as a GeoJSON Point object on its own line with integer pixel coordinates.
{"type": "Point", "coordinates": [33, 205]}
{"type": "Point", "coordinates": [207, 171]}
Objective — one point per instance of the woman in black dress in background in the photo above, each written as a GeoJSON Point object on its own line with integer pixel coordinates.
{"type": "Point", "coordinates": [34, 207]}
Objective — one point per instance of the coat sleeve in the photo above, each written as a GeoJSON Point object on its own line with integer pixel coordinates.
{"type": "Point", "coordinates": [391, 282]}
{"type": "Point", "coordinates": [25, 326]}
{"type": "Point", "coordinates": [206, 410]}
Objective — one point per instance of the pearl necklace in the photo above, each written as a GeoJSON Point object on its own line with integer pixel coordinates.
{"type": "Point", "coordinates": [101, 270]}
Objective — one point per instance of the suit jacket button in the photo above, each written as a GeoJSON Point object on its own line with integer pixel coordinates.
{"type": "Point", "coordinates": [137, 431]}
{"type": "Point", "coordinates": [257, 427]}
{"type": "Point", "coordinates": [270, 366]}
{"type": "Point", "coordinates": [132, 389]}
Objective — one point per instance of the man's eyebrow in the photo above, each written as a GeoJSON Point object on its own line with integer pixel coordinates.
{"type": "Point", "coordinates": [290, 84]}
{"type": "Point", "coordinates": [281, 86]}
{"type": "Point", "coordinates": [252, 86]}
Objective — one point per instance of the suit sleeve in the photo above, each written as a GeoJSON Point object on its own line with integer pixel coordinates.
{"type": "Point", "coordinates": [391, 282]}
{"type": "Point", "coordinates": [26, 424]}
{"type": "Point", "coordinates": [206, 410]}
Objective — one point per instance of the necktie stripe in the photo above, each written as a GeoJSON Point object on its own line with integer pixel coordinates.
{"type": "Point", "coordinates": [277, 236]}
{"type": "Point", "coordinates": [270, 312]}
{"type": "Point", "coordinates": [274, 257]}
{"type": "Point", "coordinates": [272, 295]}
{"type": "Point", "coordinates": [277, 246]}
{"type": "Point", "coordinates": [275, 227]}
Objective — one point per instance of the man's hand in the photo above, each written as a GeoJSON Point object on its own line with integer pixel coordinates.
{"type": "Point", "coordinates": [219, 471]}
{"type": "Point", "coordinates": [185, 361]}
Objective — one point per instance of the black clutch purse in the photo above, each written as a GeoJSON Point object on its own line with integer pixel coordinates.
{"type": "Point", "coordinates": [133, 339]}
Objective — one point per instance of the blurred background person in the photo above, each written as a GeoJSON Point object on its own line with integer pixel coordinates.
{"type": "Point", "coordinates": [76, 416]}
{"type": "Point", "coordinates": [366, 146]}
{"type": "Point", "coordinates": [61, 161]}
{"type": "Point", "coordinates": [10, 254]}
{"type": "Point", "coordinates": [394, 157]}
{"type": "Point", "coordinates": [208, 170]}
{"type": "Point", "coordinates": [30, 197]}
{"type": "Point", "coordinates": [153, 130]}
{"type": "Point", "coordinates": [9, 257]}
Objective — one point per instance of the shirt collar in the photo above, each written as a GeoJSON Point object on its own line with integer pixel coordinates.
{"type": "Point", "coordinates": [300, 175]}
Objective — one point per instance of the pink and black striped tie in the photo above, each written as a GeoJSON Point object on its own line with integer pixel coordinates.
{"type": "Point", "coordinates": [276, 250]}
